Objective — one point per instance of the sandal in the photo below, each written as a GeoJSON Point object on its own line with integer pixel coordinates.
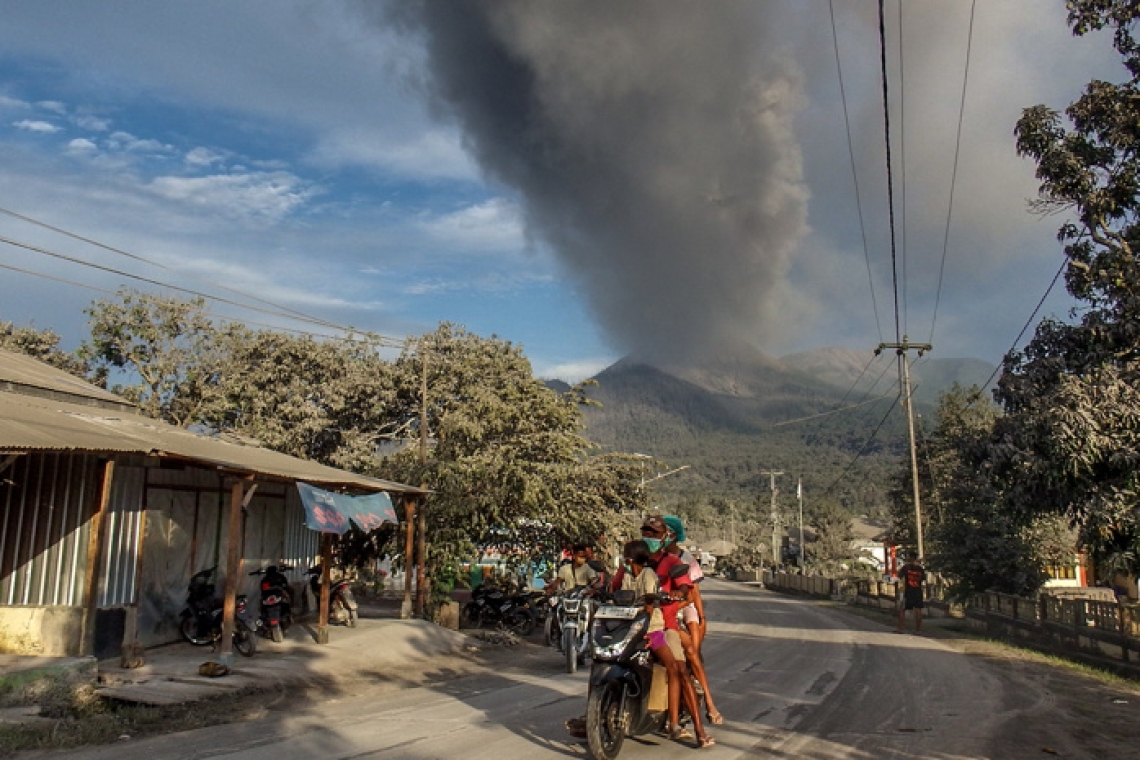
{"type": "Point", "coordinates": [705, 741]}
{"type": "Point", "coordinates": [714, 717]}
{"type": "Point", "coordinates": [576, 727]}
{"type": "Point", "coordinates": [680, 733]}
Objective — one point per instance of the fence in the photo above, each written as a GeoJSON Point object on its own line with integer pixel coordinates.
{"type": "Point", "coordinates": [1066, 623]}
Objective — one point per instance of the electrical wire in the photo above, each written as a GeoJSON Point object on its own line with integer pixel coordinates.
{"type": "Point", "coordinates": [214, 314]}
{"type": "Point", "coordinates": [954, 172]}
{"type": "Point", "coordinates": [1028, 322]}
{"type": "Point", "coordinates": [854, 173]}
{"type": "Point", "coordinates": [379, 339]}
{"type": "Point", "coordinates": [136, 257]}
{"type": "Point", "coordinates": [890, 178]}
{"type": "Point", "coordinates": [836, 411]}
{"type": "Point", "coordinates": [902, 168]}
{"type": "Point", "coordinates": [867, 443]}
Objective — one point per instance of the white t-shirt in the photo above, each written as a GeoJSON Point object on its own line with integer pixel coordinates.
{"type": "Point", "coordinates": [573, 577]}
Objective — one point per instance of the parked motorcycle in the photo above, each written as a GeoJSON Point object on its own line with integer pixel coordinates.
{"type": "Point", "coordinates": [491, 605]}
{"type": "Point", "coordinates": [276, 601]}
{"type": "Point", "coordinates": [626, 685]}
{"type": "Point", "coordinates": [342, 604]}
{"type": "Point", "coordinates": [201, 620]}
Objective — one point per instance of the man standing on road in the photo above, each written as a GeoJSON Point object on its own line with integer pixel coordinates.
{"type": "Point", "coordinates": [911, 577]}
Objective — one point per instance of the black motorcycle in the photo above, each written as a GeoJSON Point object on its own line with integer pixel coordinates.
{"type": "Point", "coordinates": [342, 604]}
{"type": "Point", "coordinates": [201, 620]}
{"type": "Point", "coordinates": [625, 680]}
{"type": "Point", "coordinates": [491, 605]}
{"type": "Point", "coordinates": [276, 601]}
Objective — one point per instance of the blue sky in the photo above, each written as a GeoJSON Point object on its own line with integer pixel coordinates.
{"type": "Point", "coordinates": [285, 149]}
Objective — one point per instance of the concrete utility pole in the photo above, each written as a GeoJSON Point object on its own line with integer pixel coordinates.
{"type": "Point", "coordinates": [800, 499]}
{"type": "Point", "coordinates": [904, 374]}
{"type": "Point", "coordinates": [773, 474]}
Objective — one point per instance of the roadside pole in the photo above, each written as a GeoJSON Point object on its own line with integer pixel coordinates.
{"type": "Point", "coordinates": [773, 474]}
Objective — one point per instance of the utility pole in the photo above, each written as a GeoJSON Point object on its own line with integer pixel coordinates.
{"type": "Point", "coordinates": [421, 548]}
{"type": "Point", "coordinates": [773, 474]}
{"type": "Point", "coordinates": [800, 499]}
{"type": "Point", "coordinates": [902, 350]}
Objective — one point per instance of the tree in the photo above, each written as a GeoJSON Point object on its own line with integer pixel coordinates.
{"type": "Point", "coordinates": [509, 467]}
{"type": "Point", "coordinates": [165, 350]}
{"type": "Point", "coordinates": [1070, 439]}
{"type": "Point", "coordinates": [42, 345]}
{"type": "Point", "coordinates": [832, 525]}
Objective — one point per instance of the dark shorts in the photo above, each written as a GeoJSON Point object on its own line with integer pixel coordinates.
{"type": "Point", "coordinates": [912, 602]}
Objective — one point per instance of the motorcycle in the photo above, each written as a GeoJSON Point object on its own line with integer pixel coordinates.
{"type": "Point", "coordinates": [276, 601]}
{"type": "Point", "coordinates": [627, 688]}
{"type": "Point", "coordinates": [201, 620]}
{"type": "Point", "coordinates": [492, 605]}
{"type": "Point", "coordinates": [342, 604]}
{"type": "Point", "coordinates": [574, 613]}
{"type": "Point", "coordinates": [569, 631]}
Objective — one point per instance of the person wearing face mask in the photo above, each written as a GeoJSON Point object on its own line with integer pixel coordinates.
{"type": "Point", "coordinates": [692, 616]}
{"type": "Point", "coordinates": [666, 645]}
{"type": "Point", "coordinates": [574, 573]}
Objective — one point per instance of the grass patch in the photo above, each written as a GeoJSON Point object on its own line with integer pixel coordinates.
{"type": "Point", "coordinates": [74, 715]}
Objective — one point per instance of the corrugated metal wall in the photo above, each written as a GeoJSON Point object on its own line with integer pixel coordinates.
{"type": "Point", "coordinates": [122, 533]}
{"type": "Point", "coordinates": [46, 500]}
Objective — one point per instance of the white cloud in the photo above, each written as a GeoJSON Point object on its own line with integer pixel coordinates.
{"type": "Point", "coordinates": [494, 225]}
{"type": "Point", "coordinates": [54, 106]}
{"type": "Point", "coordinates": [81, 147]}
{"type": "Point", "coordinates": [262, 195]}
{"type": "Point", "coordinates": [36, 126]}
{"type": "Point", "coordinates": [127, 142]}
{"type": "Point", "coordinates": [572, 371]}
{"type": "Point", "coordinates": [203, 157]}
{"type": "Point", "coordinates": [431, 154]}
{"type": "Point", "coordinates": [94, 123]}
{"type": "Point", "coordinates": [13, 103]}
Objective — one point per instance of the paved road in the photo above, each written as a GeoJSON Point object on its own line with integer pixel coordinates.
{"type": "Point", "coordinates": [794, 679]}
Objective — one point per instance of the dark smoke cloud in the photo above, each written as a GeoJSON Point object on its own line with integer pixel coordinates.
{"type": "Point", "coordinates": [652, 145]}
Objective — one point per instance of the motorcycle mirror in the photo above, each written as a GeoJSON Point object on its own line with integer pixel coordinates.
{"type": "Point", "coordinates": [678, 571]}
{"type": "Point", "coordinates": [597, 566]}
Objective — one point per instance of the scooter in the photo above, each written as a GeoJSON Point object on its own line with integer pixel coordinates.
{"type": "Point", "coordinates": [201, 620]}
{"type": "Point", "coordinates": [276, 601]}
{"type": "Point", "coordinates": [627, 688]}
{"type": "Point", "coordinates": [491, 605]}
{"type": "Point", "coordinates": [342, 604]}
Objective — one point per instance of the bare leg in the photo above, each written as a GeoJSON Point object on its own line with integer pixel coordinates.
{"type": "Point", "coordinates": [691, 702]}
{"type": "Point", "coordinates": [665, 656]}
{"type": "Point", "coordinates": [902, 620]}
{"type": "Point", "coordinates": [689, 642]}
{"type": "Point", "coordinates": [917, 619]}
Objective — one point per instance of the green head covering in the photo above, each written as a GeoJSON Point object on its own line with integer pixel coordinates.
{"type": "Point", "coordinates": [677, 526]}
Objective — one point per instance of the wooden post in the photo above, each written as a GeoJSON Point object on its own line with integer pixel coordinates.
{"type": "Point", "coordinates": [326, 569]}
{"type": "Point", "coordinates": [409, 548]}
{"type": "Point", "coordinates": [233, 570]}
{"type": "Point", "coordinates": [421, 561]}
{"type": "Point", "coordinates": [95, 561]}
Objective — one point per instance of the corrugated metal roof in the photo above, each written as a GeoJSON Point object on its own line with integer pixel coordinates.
{"type": "Point", "coordinates": [32, 374]}
{"type": "Point", "coordinates": [33, 423]}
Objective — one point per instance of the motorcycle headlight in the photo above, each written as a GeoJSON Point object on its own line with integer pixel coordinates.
{"type": "Point", "coordinates": [614, 649]}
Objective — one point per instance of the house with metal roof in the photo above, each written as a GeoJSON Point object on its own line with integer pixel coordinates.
{"type": "Point", "coordinates": [105, 514]}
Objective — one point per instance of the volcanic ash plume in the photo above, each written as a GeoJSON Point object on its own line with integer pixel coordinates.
{"type": "Point", "coordinates": [652, 145]}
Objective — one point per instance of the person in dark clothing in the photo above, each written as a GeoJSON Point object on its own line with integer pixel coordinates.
{"type": "Point", "coordinates": [911, 577]}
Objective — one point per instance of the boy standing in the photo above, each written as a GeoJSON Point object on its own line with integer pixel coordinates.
{"type": "Point", "coordinates": [911, 577]}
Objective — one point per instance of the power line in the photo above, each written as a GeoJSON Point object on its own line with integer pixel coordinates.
{"type": "Point", "coordinates": [954, 173]}
{"type": "Point", "coordinates": [863, 450]}
{"type": "Point", "coordinates": [902, 167]}
{"type": "Point", "coordinates": [216, 315]}
{"type": "Point", "coordinates": [1029, 321]}
{"type": "Point", "coordinates": [835, 411]}
{"type": "Point", "coordinates": [380, 339]}
{"type": "Point", "coordinates": [136, 257]}
{"type": "Point", "coordinates": [854, 173]}
{"type": "Point", "coordinates": [890, 178]}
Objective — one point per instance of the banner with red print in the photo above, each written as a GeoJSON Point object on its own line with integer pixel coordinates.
{"type": "Point", "coordinates": [330, 512]}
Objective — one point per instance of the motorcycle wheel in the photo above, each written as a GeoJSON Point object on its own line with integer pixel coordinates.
{"type": "Point", "coordinates": [472, 616]}
{"type": "Point", "coordinates": [276, 633]}
{"type": "Point", "coordinates": [189, 629]}
{"type": "Point", "coordinates": [570, 649]}
{"type": "Point", "coordinates": [604, 731]}
{"type": "Point", "coordinates": [520, 621]}
{"type": "Point", "coordinates": [244, 641]}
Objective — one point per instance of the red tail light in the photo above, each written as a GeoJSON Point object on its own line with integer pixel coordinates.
{"type": "Point", "coordinates": [265, 585]}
